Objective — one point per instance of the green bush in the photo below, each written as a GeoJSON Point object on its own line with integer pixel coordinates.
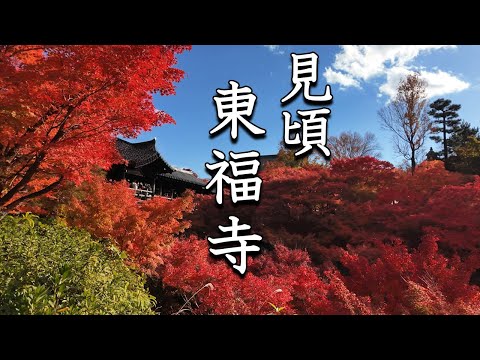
{"type": "Point", "coordinates": [47, 268]}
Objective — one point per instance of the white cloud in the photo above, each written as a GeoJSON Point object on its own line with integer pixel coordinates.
{"type": "Point", "coordinates": [394, 75]}
{"type": "Point", "coordinates": [439, 82]}
{"type": "Point", "coordinates": [336, 77]}
{"type": "Point", "coordinates": [275, 49]}
{"type": "Point", "coordinates": [366, 61]}
{"type": "Point", "coordinates": [272, 47]}
{"type": "Point", "coordinates": [355, 64]}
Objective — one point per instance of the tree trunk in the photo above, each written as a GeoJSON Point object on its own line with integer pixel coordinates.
{"type": "Point", "coordinates": [32, 170]}
{"type": "Point", "coordinates": [45, 190]}
{"type": "Point", "coordinates": [413, 162]}
{"type": "Point", "coordinates": [445, 148]}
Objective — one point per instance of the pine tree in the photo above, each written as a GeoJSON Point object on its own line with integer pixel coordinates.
{"type": "Point", "coordinates": [461, 134]}
{"type": "Point", "coordinates": [465, 143]}
{"type": "Point", "coordinates": [445, 119]}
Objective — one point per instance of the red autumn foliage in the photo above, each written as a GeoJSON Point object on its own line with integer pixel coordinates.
{"type": "Point", "coordinates": [62, 106]}
{"type": "Point", "coordinates": [145, 230]}
{"type": "Point", "coordinates": [453, 211]}
{"type": "Point", "coordinates": [395, 282]}
{"type": "Point", "coordinates": [355, 237]}
{"type": "Point", "coordinates": [278, 282]}
{"type": "Point", "coordinates": [314, 208]}
{"type": "Point", "coordinates": [323, 209]}
{"type": "Point", "coordinates": [422, 281]}
{"type": "Point", "coordinates": [382, 241]}
{"type": "Point", "coordinates": [433, 197]}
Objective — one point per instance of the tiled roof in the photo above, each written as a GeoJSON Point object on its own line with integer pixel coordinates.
{"type": "Point", "coordinates": [266, 158]}
{"type": "Point", "coordinates": [140, 154]}
{"type": "Point", "coordinates": [185, 177]}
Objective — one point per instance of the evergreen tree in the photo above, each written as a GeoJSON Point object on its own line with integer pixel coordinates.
{"type": "Point", "coordinates": [461, 135]}
{"type": "Point", "coordinates": [465, 143]}
{"type": "Point", "coordinates": [287, 156]}
{"type": "Point", "coordinates": [445, 119]}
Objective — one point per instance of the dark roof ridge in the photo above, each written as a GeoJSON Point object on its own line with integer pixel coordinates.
{"type": "Point", "coordinates": [154, 140]}
{"type": "Point", "coordinates": [133, 152]}
{"type": "Point", "coordinates": [184, 177]}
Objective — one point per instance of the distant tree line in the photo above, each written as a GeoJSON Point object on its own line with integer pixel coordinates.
{"type": "Point", "coordinates": [460, 141]}
{"type": "Point", "coordinates": [411, 119]}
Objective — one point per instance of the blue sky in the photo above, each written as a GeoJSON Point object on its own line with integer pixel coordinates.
{"type": "Point", "coordinates": [362, 79]}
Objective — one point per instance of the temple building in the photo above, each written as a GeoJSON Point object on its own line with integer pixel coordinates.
{"type": "Point", "coordinates": [265, 159]}
{"type": "Point", "coordinates": [149, 174]}
{"type": "Point", "coordinates": [432, 155]}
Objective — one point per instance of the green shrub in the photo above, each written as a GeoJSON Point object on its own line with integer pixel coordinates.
{"type": "Point", "coordinates": [47, 268]}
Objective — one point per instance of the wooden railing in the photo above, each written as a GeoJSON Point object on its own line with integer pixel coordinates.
{"type": "Point", "coordinates": [142, 193]}
{"type": "Point", "coordinates": [148, 194]}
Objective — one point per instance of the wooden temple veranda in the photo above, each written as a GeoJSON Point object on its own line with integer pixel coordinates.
{"type": "Point", "coordinates": [149, 174]}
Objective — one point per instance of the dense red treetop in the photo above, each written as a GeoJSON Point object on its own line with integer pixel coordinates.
{"type": "Point", "coordinates": [145, 230]}
{"type": "Point", "coordinates": [381, 241]}
{"type": "Point", "coordinates": [62, 106]}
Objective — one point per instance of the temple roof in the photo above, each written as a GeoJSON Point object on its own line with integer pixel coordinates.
{"type": "Point", "coordinates": [140, 154]}
{"type": "Point", "coordinates": [144, 153]}
{"type": "Point", "coordinates": [432, 155]}
{"type": "Point", "coordinates": [183, 176]}
{"type": "Point", "coordinates": [267, 158]}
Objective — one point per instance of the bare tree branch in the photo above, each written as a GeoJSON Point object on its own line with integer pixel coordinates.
{"type": "Point", "coordinates": [32, 169]}
{"type": "Point", "coordinates": [34, 194]}
{"type": "Point", "coordinates": [406, 117]}
{"type": "Point", "coordinates": [351, 145]}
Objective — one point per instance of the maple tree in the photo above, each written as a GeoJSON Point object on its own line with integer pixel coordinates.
{"type": "Point", "coordinates": [355, 236]}
{"type": "Point", "coordinates": [312, 207]}
{"type": "Point", "coordinates": [422, 281]}
{"type": "Point", "coordinates": [62, 106]}
{"type": "Point", "coordinates": [322, 208]}
{"type": "Point", "coordinates": [274, 283]}
{"type": "Point", "coordinates": [145, 230]}
{"type": "Point", "coordinates": [381, 241]}
{"type": "Point", "coordinates": [283, 281]}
